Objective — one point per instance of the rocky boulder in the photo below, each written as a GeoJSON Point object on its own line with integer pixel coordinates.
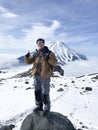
{"type": "Point", "coordinates": [59, 69]}
{"type": "Point", "coordinates": [53, 121]}
{"type": "Point", "coordinates": [7, 127]}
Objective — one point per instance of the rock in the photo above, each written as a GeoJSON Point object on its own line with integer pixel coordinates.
{"type": "Point", "coordinates": [85, 127]}
{"type": "Point", "coordinates": [59, 69]}
{"type": "Point", "coordinates": [88, 89]}
{"type": "Point", "coordinates": [23, 74]}
{"type": "Point", "coordinates": [96, 77]}
{"type": "Point", "coordinates": [2, 71]}
{"type": "Point", "coordinates": [60, 90]}
{"type": "Point", "coordinates": [28, 88]}
{"type": "Point", "coordinates": [9, 127]}
{"type": "Point", "coordinates": [73, 82]}
{"type": "Point", "coordinates": [65, 85]}
{"type": "Point", "coordinates": [15, 86]}
{"type": "Point", "coordinates": [94, 80]}
{"type": "Point", "coordinates": [53, 121]}
{"type": "Point", "coordinates": [26, 82]}
{"type": "Point", "coordinates": [52, 86]}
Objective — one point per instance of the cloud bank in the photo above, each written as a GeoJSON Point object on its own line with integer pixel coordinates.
{"type": "Point", "coordinates": [79, 68]}
{"type": "Point", "coordinates": [72, 22]}
{"type": "Point", "coordinates": [13, 44]}
{"type": "Point", "coordinates": [76, 68]}
{"type": "Point", "coordinates": [81, 43]}
{"type": "Point", "coordinates": [7, 61]}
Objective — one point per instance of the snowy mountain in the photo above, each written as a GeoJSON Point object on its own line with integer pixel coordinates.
{"type": "Point", "coordinates": [63, 53]}
{"type": "Point", "coordinates": [74, 97]}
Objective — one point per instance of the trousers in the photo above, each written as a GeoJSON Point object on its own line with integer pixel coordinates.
{"type": "Point", "coordinates": [42, 90]}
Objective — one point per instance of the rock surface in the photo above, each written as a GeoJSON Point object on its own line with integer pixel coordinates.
{"type": "Point", "coordinates": [59, 69]}
{"type": "Point", "coordinates": [53, 121]}
{"type": "Point", "coordinates": [7, 127]}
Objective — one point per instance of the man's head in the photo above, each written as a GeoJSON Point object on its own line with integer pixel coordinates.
{"type": "Point", "coordinates": [40, 43]}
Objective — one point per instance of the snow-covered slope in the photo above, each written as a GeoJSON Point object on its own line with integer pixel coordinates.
{"type": "Point", "coordinates": [64, 54]}
{"type": "Point", "coordinates": [75, 97]}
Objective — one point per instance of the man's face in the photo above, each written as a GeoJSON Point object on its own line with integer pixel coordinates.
{"type": "Point", "coordinates": [40, 45]}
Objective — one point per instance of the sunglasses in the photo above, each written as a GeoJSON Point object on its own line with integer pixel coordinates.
{"type": "Point", "coordinates": [40, 42]}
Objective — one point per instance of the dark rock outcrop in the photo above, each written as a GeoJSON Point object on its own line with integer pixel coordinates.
{"type": "Point", "coordinates": [7, 127]}
{"type": "Point", "coordinates": [23, 74]}
{"type": "Point", "coordinates": [60, 90]}
{"type": "Point", "coordinates": [88, 89]}
{"type": "Point", "coordinates": [53, 121]}
{"type": "Point", "coordinates": [59, 69]}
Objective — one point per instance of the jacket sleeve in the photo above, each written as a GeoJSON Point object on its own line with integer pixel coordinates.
{"type": "Point", "coordinates": [29, 60]}
{"type": "Point", "coordinates": [52, 59]}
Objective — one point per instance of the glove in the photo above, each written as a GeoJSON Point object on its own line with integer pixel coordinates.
{"type": "Point", "coordinates": [46, 57]}
{"type": "Point", "coordinates": [27, 55]}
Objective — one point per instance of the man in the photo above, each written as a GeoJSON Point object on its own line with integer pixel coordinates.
{"type": "Point", "coordinates": [44, 60]}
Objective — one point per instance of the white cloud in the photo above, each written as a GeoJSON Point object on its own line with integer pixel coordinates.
{"type": "Point", "coordinates": [79, 68]}
{"type": "Point", "coordinates": [7, 61]}
{"type": "Point", "coordinates": [72, 39]}
{"type": "Point", "coordinates": [40, 30]}
{"type": "Point", "coordinates": [6, 13]}
{"type": "Point", "coordinates": [86, 48]}
{"type": "Point", "coordinates": [49, 33]}
{"type": "Point", "coordinates": [12, 45]}
{"type": "Point", "coordinates": [9, 42]}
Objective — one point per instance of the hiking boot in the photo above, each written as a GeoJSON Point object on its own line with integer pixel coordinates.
{"type": "Point", "coordinates": [38, 109]}
{"type": "Point", "coordinates": [45, 112]}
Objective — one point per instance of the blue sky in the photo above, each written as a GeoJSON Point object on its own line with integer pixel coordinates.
{"type": "Point", "coordinates": [75, 22]}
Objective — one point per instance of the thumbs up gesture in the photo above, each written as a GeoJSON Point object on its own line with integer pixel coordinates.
{"type": "Point", "coordinates": [27, 55]}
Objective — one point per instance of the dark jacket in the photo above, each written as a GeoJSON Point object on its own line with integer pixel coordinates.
{"type": "Point", "coordinates": [47, 62]}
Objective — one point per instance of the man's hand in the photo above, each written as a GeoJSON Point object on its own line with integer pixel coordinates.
{"type": "Point", "coordinates": [27, 55]}
{"type": "Point", "coordinates": [47, 56]}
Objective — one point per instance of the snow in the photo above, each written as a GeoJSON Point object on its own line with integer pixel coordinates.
{"type": "Point", "coordinates": [63, 53]}
{"type": "Point", "coordinates": [13, 71]}
{"type": "Point", "coordinates": [78, 105]}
